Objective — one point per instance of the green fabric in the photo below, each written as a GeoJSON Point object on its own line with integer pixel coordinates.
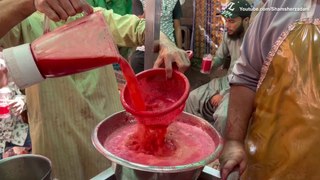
{"type": "Point", "coordinates": [121, 7]}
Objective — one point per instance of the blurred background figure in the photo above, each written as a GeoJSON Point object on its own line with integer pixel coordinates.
{"type": "Point", "coordinates": [14, 130]}
{"type": "Point", "coordinates": [213, 97]}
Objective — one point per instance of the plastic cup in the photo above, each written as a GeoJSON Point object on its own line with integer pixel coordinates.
{"type": "Point", "coordinates": [4, 110]}
{"type": "Point", "coordinates": [164, 98]}
{"type": "Point", "coordinates": [5, 97]}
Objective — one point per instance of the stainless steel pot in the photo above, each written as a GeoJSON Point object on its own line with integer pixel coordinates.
{"type": "Point", "coordinates": [26, 166]}
{"type": "Point", "coordinates": [125, 170]}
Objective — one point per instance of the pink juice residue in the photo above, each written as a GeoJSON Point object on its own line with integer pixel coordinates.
{"type": "Point", "coordinates": [190, 144]}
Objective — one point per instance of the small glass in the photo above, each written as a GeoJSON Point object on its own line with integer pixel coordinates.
{"type": "Point", "coordinates": [206, 64]}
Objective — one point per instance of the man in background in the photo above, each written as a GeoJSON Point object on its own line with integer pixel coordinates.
{"type": "Point", "coordinates": [205, 100]}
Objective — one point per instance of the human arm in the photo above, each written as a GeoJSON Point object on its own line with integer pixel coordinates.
{"type": "Point", "coordinates": [13, 12]}
{"type": "Point", "coordinates": [244, 80]}
{"type": "Point", "coordinates": [239, 112]}
{"type": "Point", "coordinates": [3, 71]}
{"type": "Point", "coordinates": [177, 14]}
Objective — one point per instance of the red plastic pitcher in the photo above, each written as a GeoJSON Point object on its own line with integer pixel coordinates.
{"type": "Point", "coordinates": [78, 46]}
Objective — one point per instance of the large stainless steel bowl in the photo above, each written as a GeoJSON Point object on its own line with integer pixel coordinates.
{"type": "Point", "coordinates": [126, 170]}
{"type": "Point", "coordinates": [26, 166]}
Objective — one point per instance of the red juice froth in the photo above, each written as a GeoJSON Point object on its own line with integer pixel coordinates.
{"type": "Point", "coordinates": [191, 144]}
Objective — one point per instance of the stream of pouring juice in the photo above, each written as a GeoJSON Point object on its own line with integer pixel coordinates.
{"type": "Point", "coordinates": [147, 139]}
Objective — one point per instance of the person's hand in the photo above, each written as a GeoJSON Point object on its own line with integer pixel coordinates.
{"type": "Point", "coordinates": [233, 157]}
{"type": "Point", "coordinates": [215, 100]}
{"type": "Point", "coordinates": [3, 76]}
{"type": "Point", "coordinates": [61, 9]}
{"type": "Point", "coordinates": [3, 71]}
{"type": "Point", "coordinates": [18, 104]}
{"type": "Point", "coordinates": [170, 55]}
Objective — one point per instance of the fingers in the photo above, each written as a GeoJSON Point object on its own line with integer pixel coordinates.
{"type": "Point", "coordinates": [214, 101]}
{"type": "Point", "coordinates": [77, 5]}
{"type": "Point", "coordinates": [17, 104]}
{"type": "Point", "coordinates": [3, 76]}
{"type": "Point", "coordinates": [16, 112]}
{"type": "Point", "coordinates": [165, 60]}
{"type": "Point", "coordinates": [81, 6]}
{"type": "Point", "coordinates": [177, 58]}
{"type": "Point", "coordinates": [61, 9]}
{"type": "Point", "coordinates": [168, 66]}
{"type": "Point", "coordinates": [227, 168]}
{"type": "Point", "coordinates": [181, 59]}
{"type": "Point", "coordinates": [184, 62]}
{"type": "Point", "coordinates": [87, 9]}
{"type": "Point", "coordinates": [16, 109]}
{"type": "Point", "coordinates": [159, 62]}
{"type": "Point", "coordinates": [233, 158]}
{"type": "Point", "coordinates": [243, 166]}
